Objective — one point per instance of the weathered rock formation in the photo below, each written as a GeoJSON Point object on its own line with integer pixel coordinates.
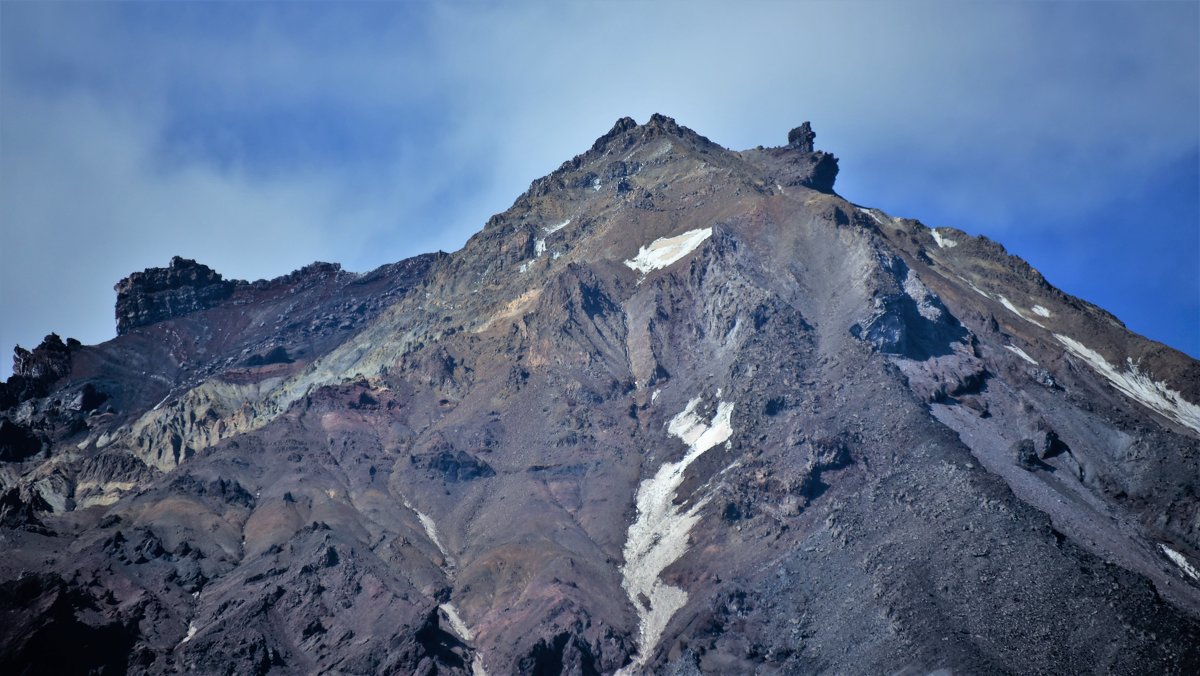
{"type": "Point", "coordinates": [157, 294]}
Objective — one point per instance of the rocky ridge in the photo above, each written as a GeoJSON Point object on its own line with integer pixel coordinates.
{"type": "Point", "coordinates": [680, 409]}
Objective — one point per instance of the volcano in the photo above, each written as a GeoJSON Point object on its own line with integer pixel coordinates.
{"type": "Point", "coordinates": [679, 410]}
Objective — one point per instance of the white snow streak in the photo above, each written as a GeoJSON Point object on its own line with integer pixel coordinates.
{"type": "Point", "coordinates": [1013, 309]}
{"type": "Point", "coordinates": [456, 621]}
{"type": "Point", "coordinates": [464, 632]}
{"type": "Point", "coordinates": [555, 228]}
{"type": "Point", "coordinates": [1040, 311]}
{"type": "Point", "coordinates": [539, 247]}
{"type": "Point", "coordinates": [659, 535]}
{"type": "Point", "coordinates": [1138, 386]}
{"type": "Point", "coordinates": [942, 242]}
{"type": "Point", "coordinates": [191, 632]}
{"type": "Point", "coordinates": [666, 250]}
{"type": "Point", "coordinates": [1008, 304]}
{"type": "Point", "coordinates": [1181, 561]}
{"type": "Point", "coordinates": [1020, 353]}
{"type": "Point", "coordinates": [430, 528]}
{"type": "Point", "coordinates": [872, 214]}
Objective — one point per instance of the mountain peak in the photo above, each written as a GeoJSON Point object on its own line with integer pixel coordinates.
{"type": "Point", "coordinates": [801, 138]}
{"type": "Point", "coordinates": [676, 403]}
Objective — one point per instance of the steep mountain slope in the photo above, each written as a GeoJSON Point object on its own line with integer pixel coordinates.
{"type": "Point", "coordinates": [680, 409]}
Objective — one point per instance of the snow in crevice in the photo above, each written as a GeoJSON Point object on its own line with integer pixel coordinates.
{"type": "Point", "coordinates": [539, 248]}
{"type": "Point", "coordinates": [1181, 561]}
{"type": "Point", "coordinates": [456, 622]}
{"type": "Point", "coordinates": [551, 229]}
{"type": "Point", "coordinates": [1013, 309]}
{"type": "Point", "coordinates": [872, 214]}
{"type": "Point", "coordinates": [1040, 311]}
{"type": "Point", "coordinates": [464, 632]}
{"type": "Point", "coordinates": [942, 242]}
{"type": "Point", "coordinates": [666, 250]}
{"type": "Point", "coordinates": [457, 625]}
{"type": "Point", "coordinates": [1020, 353]}
{"type": "Point", "coordinates": [659, 535]}
{"type": "Point", "coordinates": [1137, 385]}
{"type": "Point", "coordinates": [596, 185]}
{"type": "Point", "coordinates": [191, 633]}
{"type": "Point", "coordinates": [430, 530]}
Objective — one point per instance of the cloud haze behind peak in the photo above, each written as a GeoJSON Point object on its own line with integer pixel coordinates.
{"type": "Point", "coordinates": [259, 137]}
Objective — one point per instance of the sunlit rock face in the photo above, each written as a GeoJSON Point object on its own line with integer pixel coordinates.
{"type": "Point", "coordinates": [680, 409]}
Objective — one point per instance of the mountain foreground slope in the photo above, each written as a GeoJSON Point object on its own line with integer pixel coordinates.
{"type": "Point", "coordinates": [678, 410]}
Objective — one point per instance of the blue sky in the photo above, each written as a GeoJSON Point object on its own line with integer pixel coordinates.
{"type": "Point", "coordinates": [259, 137]}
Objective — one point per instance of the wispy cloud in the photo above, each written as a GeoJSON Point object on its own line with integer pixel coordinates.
{"type": "Point", "coordinates": [259, 137]}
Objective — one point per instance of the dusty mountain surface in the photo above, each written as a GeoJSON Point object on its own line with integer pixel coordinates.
{"type": "Point", "coordinates": [679, 410]}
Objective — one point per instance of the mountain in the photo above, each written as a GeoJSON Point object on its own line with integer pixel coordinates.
{"type": "Point", "coordinates": [679, 410]}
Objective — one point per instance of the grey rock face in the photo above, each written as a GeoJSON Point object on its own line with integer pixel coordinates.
{"type": "Point", "coordinates": [156, 294]}
{"type": "Point", "coordinates": [801, 138]}
{"type": "Point", "coordinates": [679, 409]}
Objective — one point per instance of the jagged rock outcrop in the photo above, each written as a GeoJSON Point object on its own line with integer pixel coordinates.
{"type": "Point", "coordinates": [801, 138]}
{"type": "Point", "coordinates": [680, 409]}
{"type": "Point", "coordinates": [157, 294]}
{"type": "Point", "coordinates": [34, 372]}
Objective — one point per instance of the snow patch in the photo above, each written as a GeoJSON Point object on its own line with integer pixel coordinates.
{"type": "Point", "coordinates": [654, 396]}
{"type": "Point", "coordinates": [596, 184]}
{"type": "Point", "coordinates": [942, 242]}
{"type": "Point", "coordinates": [456, 621]}
{"type": "Point", "coordinates": [191, 632]}
{"type": "Point", "coordinates": [659, 535]}
{"type": "Point", "coordinates": [1040, 311]}
{"type": "Point", "coordinates": [1013, 309]}
{"type": "Point", "coordinates": [430, 528]}
{"type": "Point", "coordinates": [539, 248]}
{"type": "Point", "coordinates": [666, 250]}
{"type": "Point", "coordinates": [1020, 353]}
{"type": "Point", "coordinates": [1137, 385]}
{"type": "Point", "coordinates": [872, 214]}
{"type": "Point", "coordinates": [551, 229]}
{"type": "Point", "coordinates": [1181, 561]}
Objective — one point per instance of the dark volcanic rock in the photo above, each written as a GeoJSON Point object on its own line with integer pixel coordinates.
{"type": "Point", "coordinates": [48, 362]}
{"type": "Point", "coordinates": [50, 627]}
{"type": "Point", "coordinates": [34, 372]}
{"type": "Point", "coordinates": [156, 294]}
{"type": "Point", "coordinates": [801, 138]}
{"type": "Point", "coordinates": [17, 442]}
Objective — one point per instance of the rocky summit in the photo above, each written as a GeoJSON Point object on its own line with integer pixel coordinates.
{"type": "Point", "coordinates": [678, 410]}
